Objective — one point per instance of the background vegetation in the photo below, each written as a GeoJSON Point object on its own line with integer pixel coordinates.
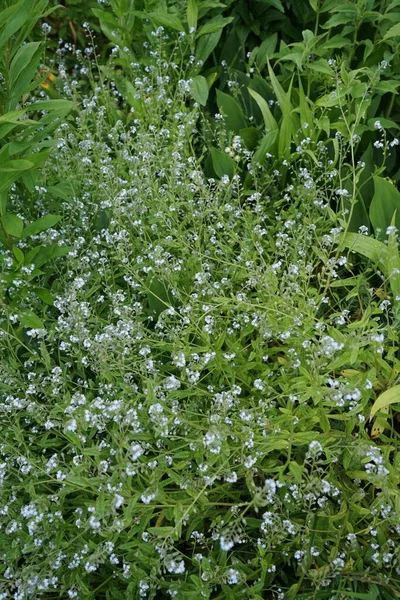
{"type": "Point", "coordinates": [199, 299]}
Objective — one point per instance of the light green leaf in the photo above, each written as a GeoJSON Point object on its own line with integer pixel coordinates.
{"type": "Point", "coordinates": [12, 225]}
{"type": "Point", "coordinates": [393, 32]}
{"type": "Point", "coordinates": [49, 105]}
{"type": "Point", "coordinates": [192, 14]}
{"type": "Point", "coordinates": [166, 20]}
{"type": "Point", "coordinates": [213, 25]}
{"type": "Point", "coordinates": [40, 225]}
{"type": "Point", "coordinates": [19, 255]}
{"type": "Point", "coordinates": [391, 396]}
{"type": "Point", "coordinates": [366, 246]}
{"type": "Point", "coordinates": [199, 89]}
{"type": "Point", "coordinates": [31, 320]}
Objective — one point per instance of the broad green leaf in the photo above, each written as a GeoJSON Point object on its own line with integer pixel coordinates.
{"type": "Point", "coordinates": [49, 105]}
{"type": "Point", "coordinates": [46, 253]}
{"type": "Point", "coordinates": [192, 12]}
{"type": "Point", "coordinates": [385, 202]}
{"type": "Point", "coordinates": [45, 295]}
{"type": "Point", "coordinates": [269, 120]}
{"type": "Point", "coordinates": [214, 25]}
{"type": "Point", "coordinates": [199, 89]}
{"type": "Point", "coordinates": [12, 225]}
{"type": "Point", "coordinates": [40, 225]}
{"type": "Point", "coordinates": [222, 163]}
{"type": "Point", "coordinates": [250, 137]}
{"type": "Point", "coordinates": [31, 320]}
{"type": "Point", "coordinates": [19, 255]}
{"type": "Point", "coordinates": [21, 59]}
{"type": "Point", "coordinates": [393, 260]}
{"type": "Point", "coordinates": [385, 86]}
{"type": "Point", "coordinates": [15, 17]}
{"type": "Point", "coordinates": [266, 49]}
{"type": "Point", "coordinates": [267, 145]}
{"type": "Point", "coordinates": [391, 396]}
{"type": "Point", "coordinates": [232, 112]}
{"type": "Point", "coordinates": [206, 44]}
{"type": "Point", "coordinates": [17, 165]}
{"type": "Point", "coordinates": [392, 33]}
{"type": "Point", "coordinates": [166, 20]}
{"type": "Point", "coordinates": [366, 246]}
{"type": "Point", "coordinates": [159, 297]}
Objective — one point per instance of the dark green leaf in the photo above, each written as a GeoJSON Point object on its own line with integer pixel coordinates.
{"type": "Point", "coordinates": [222, 163]}
{"type": "Point", "coordinates": [232, 112]}
{"type": "Point", "coordinates": [385, 201]}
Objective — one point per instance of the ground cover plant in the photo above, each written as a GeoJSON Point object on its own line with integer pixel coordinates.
{"type": "Point", "coordinates": [199, 309]}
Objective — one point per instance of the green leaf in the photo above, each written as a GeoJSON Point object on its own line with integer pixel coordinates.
{"type": "Point", "coordinates": [267, 145]}
{"type": "Point", "coordinates": [206, 45]}
{"type": "Point", "coordinates": [250, 137]}
{"type": "Point", "coordinates": [232, 112]}
{"type": "Point", "coordinates": [19, 255]}
{"type": "Point", "coordinates": [192, 14]}
{"type": "Point", "coordinates": [21, 59]}
{"type": "Point", "coordinates": [40, 225]}
{"type": "Point", "coordinates": [31, 320]}
{"type": "Point", "coordinates": [393, 32]}
{"type": "Point", "coordinates": [50, 105]}
{"type": "Point", "coordinates": [266, 49]}
{"type": "Point", "coordinates": [22, 70]}
{"type": "Point", "coordinates": [44, 295]}
{"type": "Point", "coordinates": [391, 396]}
{"type": "Point", "coordinates": [366, 246]}
{"type": "Point", "coordinates": [17, 165]}
{"type": "Point", "coordinates": [161, 531]}
{"type": "Point", "coordinates": [46, 253]}
{"type": "Point", "coordinates": [393, 261]}
{"type": "Point", "coordinates": [269, 120]}
{"type": "Point", "coordinates": [214, 25]}
{"type": "Point", "coordinates": [158, 295]}
{"type": "Point", "coordinates": [12, 225]}
{"type": "Point", "coordinates": [222, 163]}
{"type": "Point", "coordinates": [166, 20]}
{"type": "Point", "coordinates": [385, 202]}
{"type": "Point", "coordinates": [199, 89]}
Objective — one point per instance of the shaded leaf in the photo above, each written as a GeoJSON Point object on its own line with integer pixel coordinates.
{"type": "Point", "coordinates": [385, 202]}
{"type": "Point", "coordinates": [234, 117]}
{"type": "Point", "coordinates": [222, 163]}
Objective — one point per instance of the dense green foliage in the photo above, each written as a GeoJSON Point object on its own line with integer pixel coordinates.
{"type": "Point", "coordinates": [199, 300]}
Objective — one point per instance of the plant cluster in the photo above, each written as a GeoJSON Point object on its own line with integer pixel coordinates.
{"type": "Point", "coordinates": [199, 303]}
